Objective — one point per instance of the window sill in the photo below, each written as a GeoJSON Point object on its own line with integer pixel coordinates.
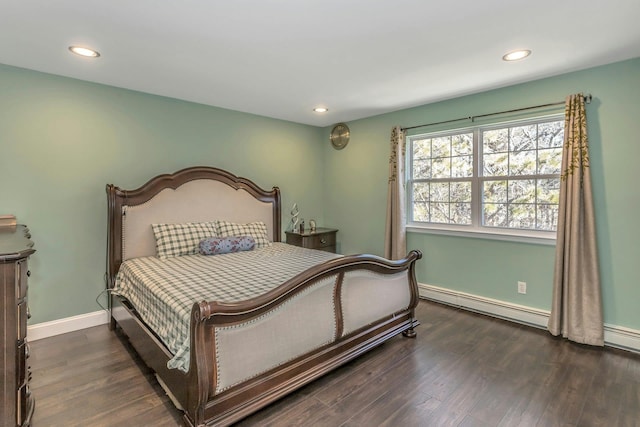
{"type": "Point", "coordinates": [482, 234]}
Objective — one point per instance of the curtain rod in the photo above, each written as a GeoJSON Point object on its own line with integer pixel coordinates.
{"type": "Point", "coordinates": [587, 99]}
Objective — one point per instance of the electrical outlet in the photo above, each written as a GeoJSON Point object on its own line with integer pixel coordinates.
{"type": "Point", "coordinates": [522, 287]}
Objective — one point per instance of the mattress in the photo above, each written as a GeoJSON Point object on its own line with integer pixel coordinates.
{"type": "Point", "coordinates": [163, 291]}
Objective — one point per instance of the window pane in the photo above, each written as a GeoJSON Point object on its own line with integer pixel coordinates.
{"type": "Point", "coordinates": [495, 141]}
{"type": "Point", "coordinates": [494, 191]}
{"type": "Point", "coordinates": [422, 169]}
{"type": "Point", "coordinates": [440, 212]}
{"type": "Point", "coordinates": [551, 134]}
{"type": "Point", "coordinates": [441, 147]}
{"type": "Point", "coordinates": [421, 149]}
{"type": "Point", "coordinates": [461, 213]}
{"type": "Point", "coordinates": [548, 191]}
{"type": "Point", "coordinates": [549, 161]}
{"type": "Point", "coordinates": [522, 216]}
{"type": "Point", "coordinates": [439, 192]}
{"type": "Point", "coordinates": [441, 168]}
{"type": "Point", "coordinates": [494, 214]}
{"type": "Point", "coordinates": [547, 217]}
{"type": "Point", "coordinates": [523, 138]}
{"type": "Point", "coordinates": [522, 163]}
{"type": "Point", "coordinates": [461, 192]}
{"type": "Point", "coordinates": [462, 166]}
{"type": "Point", "coordinates": [522, 191]}
{"type": "Point", "coordinates": [495, 164]}
{"type": "Point", "coordinates": [421, 211]}
{"type": "Point", "coordinates": [462, 144]}
{"type": "Point", "coordinates": [420, 192]}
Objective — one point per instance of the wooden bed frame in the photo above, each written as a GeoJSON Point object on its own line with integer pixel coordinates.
{"type": "Point", "coordinates": [195, 390]}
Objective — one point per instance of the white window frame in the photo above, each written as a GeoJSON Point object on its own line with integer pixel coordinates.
{"type": "Point", "coordinates": [476, 229]}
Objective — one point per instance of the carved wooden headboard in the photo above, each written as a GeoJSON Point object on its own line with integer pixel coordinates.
{"type": "Point", "coordinates": [196, 194]}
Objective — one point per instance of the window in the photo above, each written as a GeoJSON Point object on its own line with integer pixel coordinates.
{"type": "Point", "coordinates": [499, 179]}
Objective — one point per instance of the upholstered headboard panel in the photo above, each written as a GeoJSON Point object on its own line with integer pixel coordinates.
{"type": "Point", "coordinates": [196, 201]}
{"type": "Point", "coordinates": [198, 194]}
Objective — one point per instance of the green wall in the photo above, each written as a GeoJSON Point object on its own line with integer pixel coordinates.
{"type": "Point", "coordinates": [63, 140]}
{"type": "Point", "coordinates": [356, 185]}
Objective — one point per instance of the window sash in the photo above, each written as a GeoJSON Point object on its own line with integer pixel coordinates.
{"type": "Point", "coordinates": [543, 152]}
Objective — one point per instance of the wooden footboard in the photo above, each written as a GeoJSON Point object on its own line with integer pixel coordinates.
{"type": "Point", "coordinates": [207, 406]}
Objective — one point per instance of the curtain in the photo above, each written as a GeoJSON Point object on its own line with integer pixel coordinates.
{"type": "Point", "coordinates": [576, 309]}
{"type": "Point", "coordinates": [395, 242]}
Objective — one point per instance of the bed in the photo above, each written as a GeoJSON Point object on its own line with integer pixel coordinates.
{"type": "Point", "coordinates": [248, 346]}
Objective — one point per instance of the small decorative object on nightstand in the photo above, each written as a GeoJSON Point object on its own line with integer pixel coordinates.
{"type": "Point", "coordinates": [321, 238]}
{"type": "Point", "coordinates": [294, 217]}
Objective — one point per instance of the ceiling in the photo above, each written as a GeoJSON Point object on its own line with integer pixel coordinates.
{"type": "Point", "coordinates": [282, 58]}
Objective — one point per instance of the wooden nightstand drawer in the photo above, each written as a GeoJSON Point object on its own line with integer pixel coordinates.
{"type": "Point", "coordinates": [321, 238]}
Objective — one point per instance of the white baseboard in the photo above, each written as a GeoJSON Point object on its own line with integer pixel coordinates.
{"type": "Point", "coordinates": [68, 324]}
{"type": "Point", "coordinates": [621, 337]}
{"type": "Point", "coordinates": [614, 336]}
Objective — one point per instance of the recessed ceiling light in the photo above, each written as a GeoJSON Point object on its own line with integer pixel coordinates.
{"type": "Point", "coordinates": [516, 55]}
{"type": "Point", "coordinates": [321, 109]}
{"type": "Point", "coordinates": [83, 51]}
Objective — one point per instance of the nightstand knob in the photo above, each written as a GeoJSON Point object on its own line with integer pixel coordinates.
{"type": "Point", "coordinates": [28, 273]}
{"type": "Point", "coordinates": [323, 240]}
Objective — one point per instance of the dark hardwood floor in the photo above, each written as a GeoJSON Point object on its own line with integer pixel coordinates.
{"type": "Point", "coordinates": [463, 369]}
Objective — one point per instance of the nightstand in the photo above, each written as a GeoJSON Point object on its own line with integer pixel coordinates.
{"type": "Point", "coordinates": [321, 238]}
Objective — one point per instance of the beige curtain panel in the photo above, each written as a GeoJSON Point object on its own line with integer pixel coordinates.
{"type": "Point", "coordinates": [395, 241]}
{"type": "Point", "coordinates": [576, 309]}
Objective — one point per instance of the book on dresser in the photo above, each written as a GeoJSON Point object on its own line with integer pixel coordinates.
{"type": "Point", "coordinates": [16, 402]}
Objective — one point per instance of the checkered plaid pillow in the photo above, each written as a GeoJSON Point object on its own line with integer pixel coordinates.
{"type": "Point", "coordinates": [181, 239]}
{"type": "Point", "coordinates": [257, 230]}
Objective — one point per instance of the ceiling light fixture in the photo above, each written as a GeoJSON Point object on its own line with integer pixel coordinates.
{"type": "Point", "coordinates": [321, 109]}
{"type": "Point", "coordinates": [83, 51]}
{"type": "Point", "coordinates": [516, 55]}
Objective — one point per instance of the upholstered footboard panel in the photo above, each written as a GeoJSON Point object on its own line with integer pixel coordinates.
{"type": "Point", "coordinates": [368, 297]}
{"type": "Point", "coordinates": [302, 324]}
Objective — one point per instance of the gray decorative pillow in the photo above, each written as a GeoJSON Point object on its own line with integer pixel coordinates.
{"type": "Point", "coordinates": [181, 239]}
{"type": "Point", "coordinates": [257, 230]}
{"type": "Point", "coordinates": [225, 245]}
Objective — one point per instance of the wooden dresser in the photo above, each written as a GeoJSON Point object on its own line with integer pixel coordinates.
{"type": "Point", "coordinates": [16, 402]}
{"type": "Point", "coordinates": [321, 238]}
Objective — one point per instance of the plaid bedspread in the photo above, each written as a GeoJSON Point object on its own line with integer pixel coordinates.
{"type": "Point", "coordinates": [163, 291]}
